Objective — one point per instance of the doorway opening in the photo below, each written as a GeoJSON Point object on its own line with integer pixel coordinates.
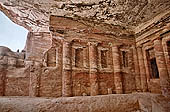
{"type": "Point", "coordinates": [154, 68]}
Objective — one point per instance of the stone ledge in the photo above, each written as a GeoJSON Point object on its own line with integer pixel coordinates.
{"type": "Point", "coordinates": [136, 102]}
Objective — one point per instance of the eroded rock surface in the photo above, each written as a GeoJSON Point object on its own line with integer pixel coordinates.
{"type": "Point", "coordinates": [10, 58]}
{"type": "Point", "coordinates": [35, 14]}
{"type": "Point", "coordinates": [107, 103]}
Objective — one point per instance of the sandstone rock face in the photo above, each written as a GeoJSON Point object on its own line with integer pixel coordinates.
{"type": "Point", "coordinates": [77, 59]}
{"type": "Point", "coordinates": [11, 59]}
{"type": "Point", "coordinates": [108, 103]}
{"type": "Point", "coordinates": [127, 13]}
{"type": "Point", "coordinates": [88, 48]}
{"type": "Point", "coordinates": [14, 75]}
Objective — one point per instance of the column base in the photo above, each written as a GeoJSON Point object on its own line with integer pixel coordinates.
{"type": "Point", "coordinates": [119, 91]}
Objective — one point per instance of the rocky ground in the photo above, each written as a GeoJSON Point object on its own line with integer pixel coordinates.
{"type": "Point", "coordinates": [136, 102]}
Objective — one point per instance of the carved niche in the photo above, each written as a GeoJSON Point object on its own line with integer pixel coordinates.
{"type": "Point", "coordinates": [103, 54]}
{"type": "Point", "coordinates": [153, 69]}
{"type": "Point", "coordinates": [50, 57]}
{"type": "Point", "coordinates": [168, 48]}
{"type": "Point", "coordinates": [79, 54]}
{"type": "Point", "coordinates": [124, 56]}
{"type": "Point", "coordinates": [104, 57]}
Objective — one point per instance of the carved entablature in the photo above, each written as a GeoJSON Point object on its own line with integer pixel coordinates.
{"type": "Point", "coordinates": [80, 58]}
{"type": "Point", "coordinates": [162, 23]}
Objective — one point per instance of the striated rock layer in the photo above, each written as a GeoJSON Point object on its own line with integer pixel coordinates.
{"type": "Point", "coordinates": [34, 14]}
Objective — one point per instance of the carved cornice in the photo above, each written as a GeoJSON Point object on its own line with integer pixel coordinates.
{"type": "Point", "coordinates": [157, 25]}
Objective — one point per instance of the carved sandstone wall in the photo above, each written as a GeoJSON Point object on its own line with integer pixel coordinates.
{"type": "Point", "coordinates": [79, 55]}
{"type": "Point", "coordinates": [153, 44]}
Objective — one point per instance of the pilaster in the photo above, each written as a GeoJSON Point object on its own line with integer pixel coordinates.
{"type": "Point", "coordinates": [142, 69]}
{"type": "Point", "coordinates": [93, 68]}
{"type": "Point", "coordinates": [137, 71]}
{"type": "Point", "coordinates": [163, 72]}
{"type": "Point", "coordinates": [67, 73]}
{"type": "Point", "coordinates": [117, 70]}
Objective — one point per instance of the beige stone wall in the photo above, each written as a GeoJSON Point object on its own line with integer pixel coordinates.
{"type": "Point", "coordinates": [55, 67]}
{"type": "Point", "coordinates": [37, 44]}
{"type": "Point", "coordinates": [14, 75]}
{"type": "Point", "coordinates": [17, 82]}
{"type": "Point", "coordinates": [50, 82]}
{"type": "Point", "coordinates": [79, 60]}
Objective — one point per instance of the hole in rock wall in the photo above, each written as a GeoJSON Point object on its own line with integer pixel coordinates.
{"type": "Point", "coordinates": [124, 59]}
{"type": "Point", "coordinates": [12, 35]}
{"type": "Point", "coordinates": [154, 73]}
{"type": "Point", "coordinates": [104, 58]}
{"type": "Point", "coordinates": [168, 47]}
{"type": "Point", "coordinates": [154, 68]}
{"type": "Point", "coordinates": [79, 57]}
{"type": "Point", "coordinates": [51, 57]}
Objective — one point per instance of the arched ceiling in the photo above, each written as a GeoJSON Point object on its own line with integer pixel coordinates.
{"type": "Point", "coordinates": [129, 14]}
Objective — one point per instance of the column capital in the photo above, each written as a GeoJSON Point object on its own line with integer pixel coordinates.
{"type": "Point", "coordinates": [93, 43]}
{"type": "Point", "coordinates": [157, 39]}
{"type": "Point", "coordinates": [115, 45]}
{"type": "Point", "coordinates": [139, 46]}
{"type": "Point", "coordinates": [110, 44]}
{"type": "Point", "coordinates": [66, 42]}
{"type": "Point", "coordinates": [133, 46]}
{"type": "Point", "coordinates": [56, 42]}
